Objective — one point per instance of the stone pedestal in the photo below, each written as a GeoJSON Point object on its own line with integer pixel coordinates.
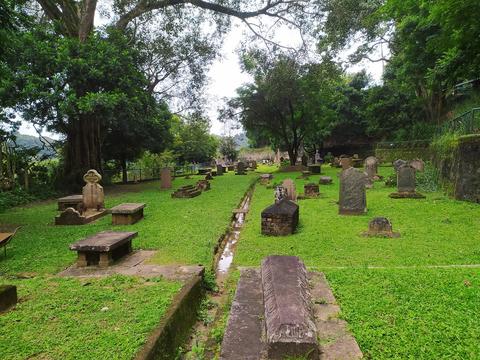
{"type": "Point", "coordinates": [8, 297]}
{"type": "Point", "coordinates": [280, 219]}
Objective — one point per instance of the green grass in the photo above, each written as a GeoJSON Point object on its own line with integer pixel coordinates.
{"type": "Point", "coordinates": [62, 318]}
{"type": "Point", "coordinates": [184, 231]}
{"type": "Point", "coordinates": [65, 318]}
{"type": "Point", "coordinates": [404, 310]}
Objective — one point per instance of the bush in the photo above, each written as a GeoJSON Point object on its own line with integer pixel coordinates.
{"type": "Point", "coordinates": [15, 197]}
{"type": "Point", "coordinates": [429, 179]}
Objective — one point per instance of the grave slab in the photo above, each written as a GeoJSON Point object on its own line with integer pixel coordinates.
{"type": "Point", "coordinates": [72, 201]}
{"type": "Point", "coordinates": [127, 213]}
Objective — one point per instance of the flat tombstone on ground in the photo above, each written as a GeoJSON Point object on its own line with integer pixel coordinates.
{"type": "Point", "coordinates": [165, 178]}
{"type": "Point", "coordinates": [289, 322]}
{"type": "Point", "coordinates": [325, 180]}
{"type": "Point", "coordinates": [371, 167]}
{"type": "Point", "coordinates": [93, 197]}
{"type": "Point", "coordinates": [353, 199]}
{"type": "Point", "coordinates": [289, 186]}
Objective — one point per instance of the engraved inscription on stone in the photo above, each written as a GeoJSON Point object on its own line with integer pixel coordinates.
{"type": "Point", "coordinates": [290, 327]}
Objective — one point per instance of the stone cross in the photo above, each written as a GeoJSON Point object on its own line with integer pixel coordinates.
{"type": "Point", "coordinates": [165, 178]}
{"type": "Point", "coordinates": [406, 179]}
{"type": "Point", "coordinates": [353, 198]}
{"type": "Point", "coordinates": [92, 192]}
{"type": "Point", "coordinates": [289, 185]}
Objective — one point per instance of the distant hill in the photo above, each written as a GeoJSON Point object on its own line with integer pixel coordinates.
{"type": "Point", "coordinates": [29, 141]}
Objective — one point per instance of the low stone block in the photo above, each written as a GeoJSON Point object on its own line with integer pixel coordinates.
{"type": "Point", "coordinates": [381, 227]}
{"type": "Point", "coordinates": [325, 180]}
{"type": "Point", "coordinates": [311, 190]}
{"type": "Point", "coordinates": [289, 322]}
{"type": "Point", "coordinates": [127, 214]}
{"type": "Point", "coordinates": [8, 297]}
{"type": "Point", "coordinates": [315, 168]}
{"type": "Point", "coordinates": [73, 201]}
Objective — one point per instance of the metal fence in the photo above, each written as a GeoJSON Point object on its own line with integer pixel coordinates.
{"type": "Point", "coordinates": [464, 124]}
{"type": "Point", "coordinates": [148, 174]}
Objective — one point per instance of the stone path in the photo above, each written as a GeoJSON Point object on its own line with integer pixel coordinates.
{"type": "Point", "coordinates": [136, 264]}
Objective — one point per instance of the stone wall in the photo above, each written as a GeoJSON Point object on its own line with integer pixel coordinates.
{"type": "Point", "coordinates": [460, 171]}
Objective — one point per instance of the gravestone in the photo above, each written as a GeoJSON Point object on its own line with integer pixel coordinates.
{"type": "Point", "coordinates": [371, 167]}
{"type": "Point", "coordinates": [311, 190]}
{"type": "Point", "coordinates": [325, 180]}
{"type": "Point", "coordinates": [240, 168]}
{"type": "Point", "coordinates": [165, 178]}
{"type": "Point", "coordinates": [315, 168]}
{"type": "Point", "coordinates": [92, 192]}
{"type": "Point", "coordinates": [304, 160]}
{"type": "Point", "coordinates": [280, 218]}
{"type": "Point", "coordinates": [353, 198]}
{"type": "Point", "coordinates": [8, 297]}
{"type": "Point", "coordinates": [219, 170]}
{"type": "Point", "coordinates": [289, 186]}
{"type": "Point", "coordinates": [406, 179]}
{"type": "Point", "coordinates": [398, 163]}
{"type": "Point", "coordinates": [345, 162]}
{"type": "Point", "coordinates": [381, 227]}
{"type": "Point", "coordinates": [265, 178]}
{"type": "Point", "coordinates": [231, 168]}
{"type": "Point", "coordinates": [187, 191]}
{"type": "Point", "coordinates": [418, 164]}
{"type": "Point", "coordinates": [289, 323]}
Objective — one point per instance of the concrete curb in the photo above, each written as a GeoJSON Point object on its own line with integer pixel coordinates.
{"type": "Point", "coordinates": [175, 326]}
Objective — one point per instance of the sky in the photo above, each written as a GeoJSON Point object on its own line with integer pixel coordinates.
{"type": "Point", "coordinates": [225, 74]}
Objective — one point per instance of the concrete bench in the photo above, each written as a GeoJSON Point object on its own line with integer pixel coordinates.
{"type": "Point", "coordinates": [72, 201]}
{"type": "Point", "coordinates": [103, 248]}
{"type": "Point", "coordinates": [127, 214]}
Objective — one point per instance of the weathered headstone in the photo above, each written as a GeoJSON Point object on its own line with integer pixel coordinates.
{"type": "Point", "coordinates": [280, 218]}
{"type": "Point", "coordinates": [398, 163]}
{"type": "Point", "coordinates": [165, 178]}
{"type": "Point", "coordinates": [203, 185]}
{"type": "Point", "coordinates": [371, 167]}
{"type": "Point", "coordinates": [382, 227]}
{"type": "Point", "coordinates": [240, 168]}
{"type": "Point", "coordinates": [304, 160]}
{"type": "Point", "coordinates": [345, 162]}
{"type": "Point", "coordinates": [353, 198]}
{"type": "Point", "coordinates": [219, 170]}
{"type": "Point", "coordinates": [418, 164]}
{"type": "Point", "coordinates": [8, 297]}
{"type": "Point", "coordinates": [406, 179]}
{"type": "Point", "coordinates": [289, 186]}
{"type": "Point", "coordinates": [92, 192]}
{"type": "Point", "coordinates": [325, 180]}
{"type": "Point", "coordinates": [289, 323]}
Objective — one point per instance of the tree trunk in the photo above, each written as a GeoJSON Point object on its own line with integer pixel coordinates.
{"type": "Point", "coordinates": [82, 152]}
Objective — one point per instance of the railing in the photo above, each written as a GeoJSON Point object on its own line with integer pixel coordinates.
{"type": "Point", "coordinates": [464, 124]}
{"type": "Point", "coordinates": [147, 174]}
{"type": "Point", "coordinates": [386, 145]}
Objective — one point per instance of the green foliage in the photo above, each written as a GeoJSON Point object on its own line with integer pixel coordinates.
{"type": "Point", "coordinates": [209, 281]}
{"type": "Point", "coordinates": [15, 197]}
{"type": "Point", "coordinates": [445, 145]}
{"type": "Point", "coordinates": [429, 179]}
{"type": "Point", "coordinates": [228, 148]}
{"type": "Point", "coordinates": [204, 311]}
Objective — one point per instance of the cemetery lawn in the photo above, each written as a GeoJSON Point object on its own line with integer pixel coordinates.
{"type": "Point", "coordinates": [397, 303]}
{"type": "Point", "coordinates": [108, 317]}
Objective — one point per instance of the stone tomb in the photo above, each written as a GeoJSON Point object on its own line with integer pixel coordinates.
{"type": "Point", "coordinates": [187, 191]}
{"type": "Point", "coordinates": [353, 198]}
{"type": "Point", "coordinates": [325, 180]}
{"type": "Point", "coordinates": [281, 311]}
{"type": "Point", "coordinates": [240, 168]}
{"type": "Point", "coordinates": [92, 207]}
{"type": "Point", "coordinates": [280, 218]}
{"type": "Point", "coordinates": [311, 190]}
{"type": "Point", "coordinates": [127, 214]}
{"type": "Point", "coordinates": [103, 248]}
{"type": "Point", "coordinates": [406, 180]}
{"type": "Point", "coordinates": [203, 185]}
{"type": "Point", "coordinates": [315, 168]}
{"type": "Point", "coordinates": [8, 297]}
{"type": "Point", "coordinates": [73, 201]}
{"type": "Point", "coordinates": [231, 168]}
{"type": "Point", "coordinates": [165, 178]}
{"type": "Point", "coordinates": [380, 227]}
{"type": "Point", "coordinates": [289, 186]}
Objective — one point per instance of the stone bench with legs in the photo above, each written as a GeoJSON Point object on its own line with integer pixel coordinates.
{"type": "Point", "coordinates": [103, 248]}
{"type": "Point", "coordinates": [127, 214]}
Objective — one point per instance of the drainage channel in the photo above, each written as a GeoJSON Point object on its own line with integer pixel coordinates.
{"type": "Point", "coordinates": [201, 344]}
